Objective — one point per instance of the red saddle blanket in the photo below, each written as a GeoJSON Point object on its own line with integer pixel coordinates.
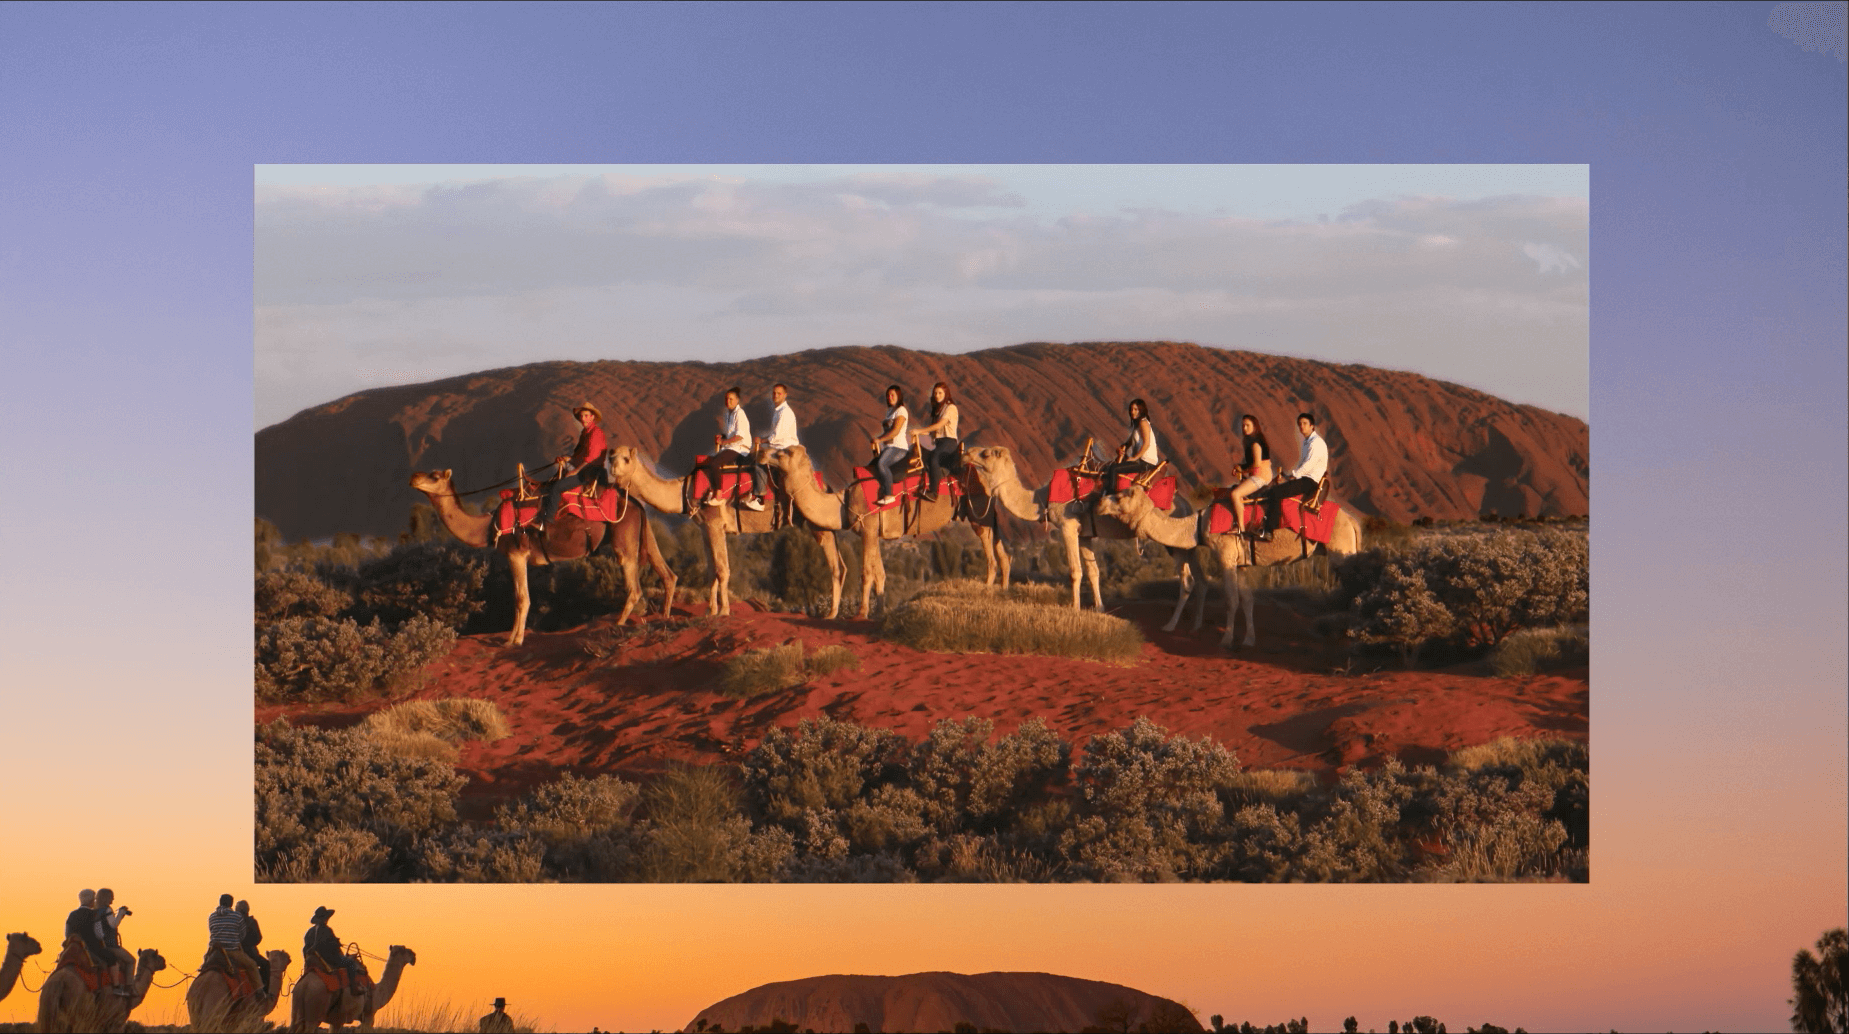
{"type": "Point", "coordinates": [1293, 517]}
{"type": "Point", "coordinates": [236, 979]}
{"type": "Point", "coordinates": [1069, 484]}
{"type": "Point", "coordinates": [335, 980]}
{"type": "Point", "coordinates": [733, 483]}
{"type": "Point", "coordinates": [902, 488]}
{"type": "Point", "coordinates": [76, 956]}
{"type": "Point", "coordinates": [605, 506]}
{"type": "Point", "coordinates": [514, 513]}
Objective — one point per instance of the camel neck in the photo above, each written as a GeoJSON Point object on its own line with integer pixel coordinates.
{"type": "Point", "coordinates": [464, 525]}
{"type": "Point", "coordinates": [822, 509]}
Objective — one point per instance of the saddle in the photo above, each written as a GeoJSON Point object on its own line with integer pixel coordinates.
{"type": "Point", "coordinates": [1295, 515]}
{"type": "Point", "coordinates": [335, 980]}
{"type": "Point", "coordinates": [237, 979]}
{"type": "Point", "coordinates": [1072, 483]}
{"type": "Point", "coordinates": [76, 956]}
{"type": "Point", "coordinates": [736, 480]}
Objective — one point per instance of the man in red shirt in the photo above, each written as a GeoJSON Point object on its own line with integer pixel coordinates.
{"type": "Point", "coordinates": [587, 460]}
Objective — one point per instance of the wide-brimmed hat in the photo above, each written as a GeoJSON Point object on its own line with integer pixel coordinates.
{"type": "Point", "coordinates": [500, 1003]}
{"type": "Point", "coordinates": [323, 913]}
{"type": "Point", "coordinates": [584, 406]}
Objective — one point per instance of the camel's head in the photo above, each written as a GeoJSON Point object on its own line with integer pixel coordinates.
{"type": "Point", "coordinates": [784, 460]}
{"type": "Point", "coordinates": [1127, 505]}
{"type": "Point", "coordinates": [991, 463]}
{"type": "Point", "coordinates": [279, 959]}
{"type": "Point", "coordinates": [150, 960]}
{"type": "Point", "coordinates": [400, 953]}
{"type": "Point", "coordinates": [625, 462]}
{"type": "Point", "coordinates": [22, 945]}
{"type": "Point", "coordinates": [435, 482]}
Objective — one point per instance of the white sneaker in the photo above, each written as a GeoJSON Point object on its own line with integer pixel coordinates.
{"type": "Point", "coordinates": [713, 500]}
{"type": "Point", "coordinates": [754, 504]}
{"type": "Point", "coordinates": [885, 500]}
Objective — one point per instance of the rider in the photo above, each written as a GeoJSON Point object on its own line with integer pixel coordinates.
{"type": "Point", "coordinates": [782, 420]}
{"type": "Point", "coordinates": [225, 927]}
{"type": "Point", "coordinates": [733, 446]}
{"type": "Point", "coordinates": [1254, 461]}
{"type": "Point", "coordinates": [587, 460]}
{"type": "Point", "coordinates": [497, 1022]}
{"type": "Point", "coordinates": [890, 452]}
{"type": "Point", "coordinates": [81, 926]}
{"type": "Point", "coordinates": [1299, 482]}
{"type": "Point", "coordinates": [943, 435]}
{"type": "Point", "coordinates": [253, 936]}
{"type": "Point", "coordinates": [108, 919]}
{"type": "Point", "coordinates": [1137, 455]}
{"type": "Point", "coordinates": [322, 943]}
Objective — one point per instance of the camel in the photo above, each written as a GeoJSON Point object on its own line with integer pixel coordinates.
{"type": "Point", "coordinates": [565, 538]}
{"type": "Point", "coordinates": [1073, 521]}
{"type": "Point", "coordinates": [1182, 534]}
{"type": "Point", "coordinates": [66, 1005]}
{"type": "Point", "coordinates": [634, 476]}
{"type": "Point", "coordinates": [848, 511]}
{"type": "Point", "coordinates": [19, 948]}
{"type": "Point", "coordinates": [210, 1006]}
{"type": "Point", "coordinates": [312, 1004]}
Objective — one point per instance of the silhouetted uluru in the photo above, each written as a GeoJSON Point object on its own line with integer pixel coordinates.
{"type": "Point", "coordinates": [1403, 445]}
{"type": "Point", "coordinates": [940, 1001]}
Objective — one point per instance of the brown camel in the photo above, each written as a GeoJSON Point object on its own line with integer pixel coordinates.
{"type": "Point", "coordinates": [66, 1005]}
{"type": "Point", "coordinates": [210, 1005]}
{"type": "Point", "coordinates": [1182, 534]}
{"type": "Point", "coordinates": [633, 475]}
{"type": "Point", "coordinates": [19, 948]}
{"type": "Point", "coordinates": [1074, 522]}
{"type": "Point", "coordinates": [848, 511]}
{"type": "Point", "coordinates": [312, 1004]}
{"type": "Point", "coordinates": [565, 538]}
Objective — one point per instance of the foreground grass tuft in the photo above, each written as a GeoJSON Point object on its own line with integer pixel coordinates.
{"type": "Point", "coordinates": [433, 728]}
{"type": "Point", "coordinates": [954, 617]}
{"type": "Point", "coordinates": [1531, 650]}
{"type": "Point", "coordinates": [777, 668]}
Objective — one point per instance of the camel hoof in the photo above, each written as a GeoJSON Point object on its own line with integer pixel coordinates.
{"type": "Point", "coordinates": [1169, 628]}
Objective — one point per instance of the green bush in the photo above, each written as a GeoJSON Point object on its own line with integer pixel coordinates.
{"type": "Point", "coordinates": [1531, 650]}
{"type": "Point", "coordinates": [437, 580]}
{"type": "Point", "coordinates": [300, 660]}
{"type": "Point", "coordinates": [1151, 805]}
{"type": "Point", "coordinates": [333, 806]}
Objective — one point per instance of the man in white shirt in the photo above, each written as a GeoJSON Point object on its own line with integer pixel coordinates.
{"type": "Point", "coordinates": [732, 446]}
{"type": "Point", "coordinates": [1299, 482]}
{"type": "Point", "coordinates": [782, 419]}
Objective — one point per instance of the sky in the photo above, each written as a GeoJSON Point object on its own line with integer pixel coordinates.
{"type": "Point", "coordinates": [1715, 141]}
{"type": "Point", "coordinates": [375, 275]}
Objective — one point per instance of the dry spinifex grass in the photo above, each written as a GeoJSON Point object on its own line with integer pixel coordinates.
{"type": "Point", "coordinates": [967, 617]}
{"type": "Point", "coordinates": [433, 728]}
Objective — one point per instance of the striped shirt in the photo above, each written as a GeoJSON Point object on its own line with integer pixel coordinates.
{"type": "Point", "coordinates": [227, 927]}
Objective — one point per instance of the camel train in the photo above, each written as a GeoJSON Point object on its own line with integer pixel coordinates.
{"type": "Point", "coordinates": [1077, 505]}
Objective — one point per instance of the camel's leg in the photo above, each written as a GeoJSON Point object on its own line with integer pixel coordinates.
{"type": "Point", "coordinates": [1000, 546]}
{"type": "Point", "coordinates": [651, 551]}
{"type": "Point", "coordinates": [837, 570]}
{"type": "Point", "coordinates": [1238, 597]}
{"type": "Point", "coordinates": [1070, 532]}
{"type": "Point", "coordinates": [632, 583]}
{"type": "Point", "coordinates": [994, 554]}
{"type": "Point", "coordinates": [1090, 559]}
{"type": "Point", "coordinates": [872, 567]}
{"type": "Point", "coordinates": [1182, 594]}
{"type": "Point", "coordinates": [720, 561]}
{"type": "Point", "coordinates": [1200, 582]}
{"type": "Point", "coordinates": [516, 563]}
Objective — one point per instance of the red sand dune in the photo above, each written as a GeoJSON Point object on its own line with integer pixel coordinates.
{"type": "Point", "coordinates": [1402, 445]}
{"type": "Point", "coordinates": [630, 701]}
{"type": "Point", "coordinates": [937, 1001]}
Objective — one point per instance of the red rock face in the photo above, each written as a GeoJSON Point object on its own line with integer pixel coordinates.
{"type": "Point", "coordinates": [1402, 446]}
{"type": "Point", "coordinates": [939, 1001]}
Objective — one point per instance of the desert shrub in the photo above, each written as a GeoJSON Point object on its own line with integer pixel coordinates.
{"type": "Point", "coordinates": [770, 670]}
{"type": "Point", "coordinates": [991, 622]}
{"type": "Point", "coordinates": [777, 668]}
{"type": "Point", "coordinates": [1529, 650]}
{"type": "Point", "coordinates": [583, 827]}
{"type": "Point", "coordinates": [469, 855]}
{"type": "Point", "coordinates": [433, 728]}
{"type": "Point", "coordinates": [333, 803]}
{"type": "Point", "coordinates": [798, 570]}
{"type": "Point", "coordinates": [1152, 807]}
{"type": "Point", "coordinates": [293, 593]}
{"type": "Point", "coordinates": [697, 834]}
{"type": "Point", "coordinates": [438, 580]}
{"type": "Point", "coordinates": [1473, 589]}
{"type": "Point", "coordinates": [807, 782]}
{"type": "Point", "coordinates": [317, 658]}
{"type": "Point", "coordinates": [966, 783]}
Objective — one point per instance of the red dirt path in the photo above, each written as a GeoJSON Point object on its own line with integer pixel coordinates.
{"type": "Point", "coordinates": [632, 700]}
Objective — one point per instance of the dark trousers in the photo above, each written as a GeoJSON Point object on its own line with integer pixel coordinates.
{"type": "Point", "coordinates": [1130, 467]}
{"type": "Point", "coordinates": [883, 472]}
{"type": "Point", "coordinates": [263, 965]}
{"type": "Point", "coordinates": [1273, 498]}
{"type": "Point", "coordinates": [760, 477]}
{"type": "Point", "coordinates": [942, 455]}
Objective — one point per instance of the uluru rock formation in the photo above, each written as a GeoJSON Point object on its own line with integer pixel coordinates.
{"type": "Point", "coordinates": [940, 1001]}
{"type": "Point", "coordinates": [1403, 445]}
